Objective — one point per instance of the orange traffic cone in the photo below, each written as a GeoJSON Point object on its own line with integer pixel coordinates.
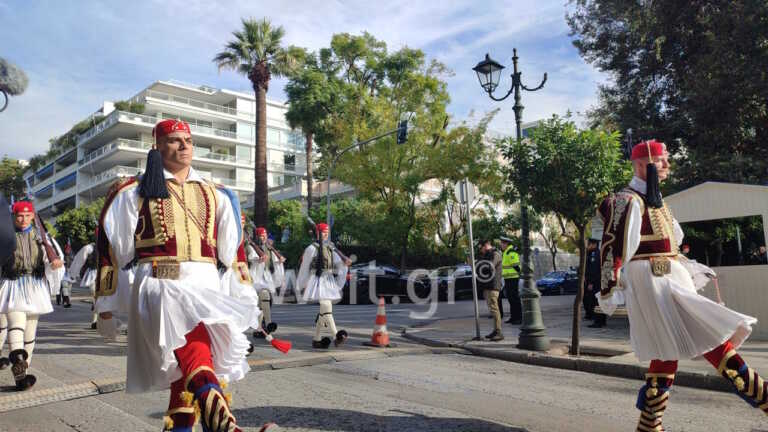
{"type": "Point", "coordinates": [380, 334]}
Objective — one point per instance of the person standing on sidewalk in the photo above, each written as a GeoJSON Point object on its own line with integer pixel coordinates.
{"type": "Point", "coordinates": [668, 319]}
{"type": "Point", "coordinates": [592, 285]}
{"type": "Point", "coordinates": [488, 273]}
{"type": "Point", "coordinates": [510, 272]}
{"type": "Point", "coordinates": [322, 276]}
{"type": "Point", "coordinates": [185, 329]}
{"type": "Point", "coordinates": [25, 292]}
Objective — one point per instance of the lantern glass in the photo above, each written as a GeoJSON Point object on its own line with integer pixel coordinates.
{"type": "Point", "coordinates": [488, 73]}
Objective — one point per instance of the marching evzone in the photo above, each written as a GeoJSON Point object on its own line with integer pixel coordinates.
{"type": "Point", "coordinates": [24, 289]}
{"type": "Point", "coordinates": [57, 282]}
{"type": "Point", "coordinates": [84, 268]}
{"type": "Point", "coordinates": [268, 274]}
{"type": "Point", "coordinates": [322, 277]}
{"type": "Point", "coordinates": [184, 328]}
{"type": "Point", "coordinates": [668, 319]}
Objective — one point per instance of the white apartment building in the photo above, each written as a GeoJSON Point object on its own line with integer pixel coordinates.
{"type": "Point", "coordinates": [222, 124]}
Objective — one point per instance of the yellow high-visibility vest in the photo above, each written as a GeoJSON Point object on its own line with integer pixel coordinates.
{"type": "Point", "coordinates": [509, 260]}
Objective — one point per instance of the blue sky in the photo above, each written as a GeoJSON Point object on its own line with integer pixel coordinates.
{"type": "Point", "coordinates": [79, 53]}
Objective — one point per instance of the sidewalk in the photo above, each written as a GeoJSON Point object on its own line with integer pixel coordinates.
{"type": "Point", "coordinates": [604, 351]}
{"type": "Point", "coordinates": [71, 361]}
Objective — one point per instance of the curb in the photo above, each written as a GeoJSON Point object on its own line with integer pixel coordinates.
{"type": "Point", "coordinates": [684, 378]}
{"type": "Point", "coordinates": [34, 398]}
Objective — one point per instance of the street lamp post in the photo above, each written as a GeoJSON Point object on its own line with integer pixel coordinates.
{"type": "Point", "coordinates": [533, 334]}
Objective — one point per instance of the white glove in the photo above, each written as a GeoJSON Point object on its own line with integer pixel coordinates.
{"type": "Point", "coordinates": [107, 328]}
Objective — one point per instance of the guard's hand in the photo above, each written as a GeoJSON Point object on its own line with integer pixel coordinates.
{"type": "Point", "coordinates": [263, 258]}
{"type": "Point", "coordinates": [107, 327]}
{"type": "Point", "coordinates": [589, 287]}
{"type": "Point", "coordinates": [56, 264]}
{"type": "Point", "coordinates": [347, 262]}
{"type": "Point", "coordinates": [282, 260]}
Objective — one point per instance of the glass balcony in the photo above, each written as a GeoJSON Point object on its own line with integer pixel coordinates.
{"type": "Point", "coordinates": [108, 148]}
{"type": "Point", "coordinates": [118, 171]}
{"type": "Point", "coordinates": [123, 116]}
{"type": "Point", "coordinates": [189, 101]}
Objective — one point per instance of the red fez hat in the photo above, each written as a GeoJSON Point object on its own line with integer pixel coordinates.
{"type": "Point", "coordinates": [322, 227]}
{"type": "Point", "coordinates": [261, 230]}
{"type": "Point", "coordinates": [648, 149]}
{"type": "Point", "coordinates": [23, 207]}
{"type": "Point", "coordinates": [170, 126]}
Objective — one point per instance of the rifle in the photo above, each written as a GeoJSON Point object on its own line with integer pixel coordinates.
{"type": "Point", "coordinates": [49, 252]}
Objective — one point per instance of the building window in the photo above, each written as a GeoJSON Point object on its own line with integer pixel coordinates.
{"type": "Point", "coordinates": [289, 160]}
{"type": "Point", "coordinates": [273, 136]}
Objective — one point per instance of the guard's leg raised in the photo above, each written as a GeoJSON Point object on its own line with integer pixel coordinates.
{"type": "Point", "coordinates": [748, 384]}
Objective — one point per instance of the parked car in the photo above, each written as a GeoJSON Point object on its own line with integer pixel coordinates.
{"type": "Point", "coordinates": [558, 282]}
{"type": "Point", "coordinates": [459, 277]}
{"type": "Point", "coordinates": [389, 282]}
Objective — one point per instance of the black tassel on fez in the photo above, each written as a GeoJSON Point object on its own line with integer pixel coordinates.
{"type": "Point", "coordinates": [152, 183]}
{"type": "Point", "coordinates": [652, 193]}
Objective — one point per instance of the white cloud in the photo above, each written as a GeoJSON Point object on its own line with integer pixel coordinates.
{"type": "Point", "coordinates": [79, 54]}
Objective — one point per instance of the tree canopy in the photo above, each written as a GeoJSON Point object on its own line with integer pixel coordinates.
{"type": "Point", "coordinates": [692, 74]}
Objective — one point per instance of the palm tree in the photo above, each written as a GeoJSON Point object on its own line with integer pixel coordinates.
{"type": "Point", "coordinates": [257, 53]}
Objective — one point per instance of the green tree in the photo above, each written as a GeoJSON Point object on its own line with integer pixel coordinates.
{"type": "Point", "coordinates": [78, 225]}
{"type": "Point", "coordinates": [313, 96]}
{"type": "Point", "coordinates": [567, 171]}
{"type": "Point", "coordinates": [11, 178]}
{"type": "Point", "coordinates": [257, 52]}
{"type": "Point", "coordinates": [689, 73]}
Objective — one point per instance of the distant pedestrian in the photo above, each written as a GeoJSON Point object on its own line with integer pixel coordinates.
{"type": "Point", "coordinates": [488, 271]}
{"type": "Point", "coordinates": [510, 272]}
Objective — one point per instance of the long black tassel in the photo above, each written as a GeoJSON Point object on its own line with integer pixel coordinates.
{"type": "Point", "coordinates": [153, 181]}
{"type": "Point", "coordinates": [652, 192]}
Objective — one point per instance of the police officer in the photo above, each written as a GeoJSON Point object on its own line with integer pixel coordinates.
{"type": "Point", "coordinates": [510, 271]}
{"type": "Point", "coordinates": [592, 285]}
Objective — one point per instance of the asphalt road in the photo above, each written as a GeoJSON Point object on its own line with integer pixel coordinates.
{"type": "Point", "coordinates": [447, 392]}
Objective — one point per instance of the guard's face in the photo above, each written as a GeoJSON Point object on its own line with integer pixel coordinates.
{"type": "Point", "coordinates": [324, 235]}
{"type": "Point", "coordinates": [263, 238]}
{"type": "Point", "coordinates": [23, 220]}
{"type": "Point", "coordinates": [177, 150]}
{"type": "Point", "coordinates": [662, 167]}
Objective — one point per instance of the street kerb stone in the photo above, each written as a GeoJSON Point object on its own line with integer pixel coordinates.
{"type": "Point", "coordinates": [358, 355]}
{"type": "Point", "coordinates": [33, 398]}
{"type": "Point", "coordinates": [109, 385]}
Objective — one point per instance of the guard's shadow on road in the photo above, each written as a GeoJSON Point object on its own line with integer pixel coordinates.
{"type": "Point", "coordinates": [323, 419]}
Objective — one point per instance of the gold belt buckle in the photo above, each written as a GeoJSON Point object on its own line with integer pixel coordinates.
{"type": "Point", "coordinates": [661, 266]}
{"type": "Point", "coordinates": [166, 270]}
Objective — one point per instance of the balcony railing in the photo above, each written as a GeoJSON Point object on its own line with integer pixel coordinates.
{"type": "Point", "coordinates": [191, 102]}
{"type": "Point", "coordinates": [240, 184]}
{"type": "Point", "coordinates": [118, 171]}
{"type": "Point", "coordinates": [120, 142]}
{"type": "Point", "coordinates": [116, 116]}
{"type": "Point", "coordinates": [283, 167]}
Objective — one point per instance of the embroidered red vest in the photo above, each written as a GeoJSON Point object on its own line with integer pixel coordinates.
{"type": "Point", "coordinates": [182, 227]}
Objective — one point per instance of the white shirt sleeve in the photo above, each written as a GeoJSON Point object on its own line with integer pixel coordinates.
{"type": "Point", "coordinates": [306, 261]}
{"type": "Point", "coordinates": [341, 269]}
{"type": "Point", "coordinates": [226, 241]}
{"type": "Point", "coordinates": [79, 261]}
{"type": "Point", "coordinates": [631, 244]}
{"type": "Point", "coordinates": [120, 221]}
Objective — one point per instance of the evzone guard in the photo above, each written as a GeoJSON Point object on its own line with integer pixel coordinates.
{"type": "Point", "coordinates": [185, 325]}
{"type": "Point", "coordinates": [83, 268]}
{"type": "Point", "coordinates": [322, 276]}
{"type": "Point", "coordinates": [268, 273]}
{"type": "Point", "coordinates": [25, 292]}
{"type": "Point", "coordinates": [643, 268]}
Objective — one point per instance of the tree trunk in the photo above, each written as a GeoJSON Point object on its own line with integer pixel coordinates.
{"type": "Point", "coordinates": [261, 191]}
{"type": "Point", "coordinates": [309, 171]}
{"type": "Point", "coordinates": [554, 259]}
{"type": "Point", "coordinates": [579, 292]}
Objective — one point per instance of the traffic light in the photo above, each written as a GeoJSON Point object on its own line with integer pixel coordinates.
{"type": "Point", "coordinates": [402, 132]}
